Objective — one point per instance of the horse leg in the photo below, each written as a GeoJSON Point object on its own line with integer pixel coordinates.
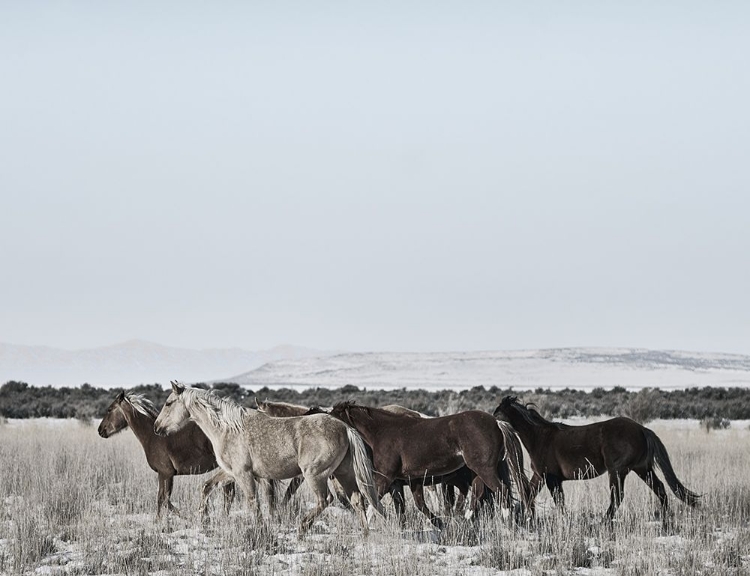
{"type": "Point", "coordinates": [162, 480]}
{"type": "Point", "coordinates": [396, 491]}
{"type": "Point", "coordinates": [617, 490]}
{"type": "Point", "coordinates": [463, 492]}
{"type": "Point", "coordinates": [339, 494]}
{"type": "Point", "coordinates": [505, 485]}
{"type": "Point", "coordinates": [291, 490]}
{"type": "Point", "coordinates": [208, 487]}
{"type": "Point", "coordinates": [229, 491]}
{"type": "Point", "coordinates": [653, 482]}
{"type": "Point", "coordinates": [345, 480]}
{"type": "Point", "coordinates": [535, 485]}
{"type": "Point", "coordinates": [417, 492]}
{"type": "Point", "coordinates": [247, 484]}
{"type": "Point", "coordinates": [554, 485]}
{"type": "Point", "coordinates": [477, 491]}
{"type": "Point", "coordinates": [319, 486]}
{"type": "Point", "coordinates": [495, 478]}
{"type": "Point", "coordinates": [165, 493]}
{"type": "Point", "coordinates": [447, 495]}
{"type": "Point", "coordinates": [269, 488]}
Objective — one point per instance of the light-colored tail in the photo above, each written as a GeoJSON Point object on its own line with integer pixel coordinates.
{"type": "Point", "coordinates": [363, 469]}
{"type": "Point", "coordinates": [514, 457]}
{"type": "Point", "coordinates": [659, 454]}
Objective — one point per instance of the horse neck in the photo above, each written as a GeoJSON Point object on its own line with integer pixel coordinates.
{"type": "Point", "coordinates": [365, 424]}
{"type": "Point", "coordinates": [200, 415]}
{"type": "Point", "coordinates": [142, 425]}
{"type": "Point", "coordinates": [528, 432]}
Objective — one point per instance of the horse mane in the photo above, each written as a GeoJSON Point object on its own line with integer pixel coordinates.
{"type": "Point", "coordinates": [345, 408]}
{"type": "Point", "coordinates": [225, 414]}
{"type": "Point", "coordinates": [529, 413]}
{"type": "Point", "coordinates": [141, 404]}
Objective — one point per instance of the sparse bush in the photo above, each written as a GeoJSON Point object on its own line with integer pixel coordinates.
{"type": "Point", "coordinates": [644, 406]}
{"type": "Point", "coordinates": [715, 423]}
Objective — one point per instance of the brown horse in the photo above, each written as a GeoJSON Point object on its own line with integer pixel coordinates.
{"type": "Point", "coordinates": [618, 446]}
{"type": "Point", "coordinates": [187, 452]}
{"type": "Point", "coordinates": [422, 451]}
{"type": "Point", "coordinates": [282, 409]}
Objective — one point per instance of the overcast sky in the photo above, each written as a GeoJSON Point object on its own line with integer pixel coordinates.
{"type": "Point", "coordinates": [376, 176]}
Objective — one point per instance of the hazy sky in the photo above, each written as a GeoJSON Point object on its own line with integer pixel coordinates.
{"type": "Point", "coordinates": [376, 176]}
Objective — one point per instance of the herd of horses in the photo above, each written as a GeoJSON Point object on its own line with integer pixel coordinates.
{"type": "Point", "coordinates": [368, 452]}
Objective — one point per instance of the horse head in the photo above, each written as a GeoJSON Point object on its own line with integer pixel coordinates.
{"type": "Point", "coordinates": [174, 415]}
{"type": "Point", "coordinates": [114, 420]}
{"type": "Point", "coordinates": [505, 407]}
{"type": "Point", "coordinates": [343, 411]}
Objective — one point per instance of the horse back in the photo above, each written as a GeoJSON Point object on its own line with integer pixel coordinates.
{"type": "Point", "coordinates": [589, 450]}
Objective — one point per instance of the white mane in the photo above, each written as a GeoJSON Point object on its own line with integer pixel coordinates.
{"type": "Point", "coordinates": [142, 404]}
{"type": "Point", "coordinates": [223, 413]}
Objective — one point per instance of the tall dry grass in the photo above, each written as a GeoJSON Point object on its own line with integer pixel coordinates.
{"type": "Point", "coordinates": [73, 503]}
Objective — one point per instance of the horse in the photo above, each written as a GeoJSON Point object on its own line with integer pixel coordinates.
{"type": "Point", "coordinates": [282, 409]}
{"type": "Point", "coordinates": [249, 443]}
{"type": "Point", "coordinates": [188, 452]}
{"type": "Point", "coordinates": [421, 451]}
{"type": "Point", "coordinates": [285, 410]}
{"type": "Point", "coordinates": [617, 446]}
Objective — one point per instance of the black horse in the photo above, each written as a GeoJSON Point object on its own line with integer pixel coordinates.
{"type": "Point", "coordinates": [618, 446]}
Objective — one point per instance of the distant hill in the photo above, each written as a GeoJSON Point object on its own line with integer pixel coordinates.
{"type": "Point", "coordinates": [131, 363]}
{"type": "Point", "coordinates": [579, 368]}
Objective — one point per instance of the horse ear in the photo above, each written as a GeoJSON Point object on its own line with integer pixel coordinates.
{"type": "Point", "coordinates": [177, 388]}
{"type": "Point", "coordinates": [258, 403]}
{"type": "Point", "coordinates": [120, 397]}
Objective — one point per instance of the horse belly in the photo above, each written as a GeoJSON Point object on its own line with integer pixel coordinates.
{"type": "Point", "coordinates": [439, 466]}
{"type": "Point", "coordinates": [580, 467]}
{"type": "Point", "coordinates": [276, 465]}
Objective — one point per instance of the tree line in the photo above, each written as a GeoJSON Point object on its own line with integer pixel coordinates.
{"type": "Point", "coordinates": [20, 400]}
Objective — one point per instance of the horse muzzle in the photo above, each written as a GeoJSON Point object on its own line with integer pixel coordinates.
{"type": "Point", "coordinates": [159, 431]}
{"type": "Point", "coordinates": [103, 433]}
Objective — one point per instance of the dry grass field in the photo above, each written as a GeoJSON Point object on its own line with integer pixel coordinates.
{"type": "Point", "coordinates": [73, 503]}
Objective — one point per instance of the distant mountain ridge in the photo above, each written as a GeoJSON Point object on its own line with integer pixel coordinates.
{"type": "Point", "coordinates": [580, 368]}
{"type": "Point", "coordinates": [132, 362]}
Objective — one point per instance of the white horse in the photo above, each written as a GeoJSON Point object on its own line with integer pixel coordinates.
{"type": "Point", "coordinates": [250, 444]}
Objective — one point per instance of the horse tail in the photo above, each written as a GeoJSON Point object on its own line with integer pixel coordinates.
{"type": "Point", "coordinates": [363, 469]}
{"type": "Point", "coordinates": [514, 456]}
{"type": "Point", "coordinates": [658, 453]}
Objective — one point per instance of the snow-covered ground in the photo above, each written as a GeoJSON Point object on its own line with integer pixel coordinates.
{"type": "Point", "coordinates": [73, 503]}
{"type": "Point", "coordinates": [131, 363]}
{"type": "Point", "coordinates": [580, 368]}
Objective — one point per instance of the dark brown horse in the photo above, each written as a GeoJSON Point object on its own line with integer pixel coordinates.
{"type": "Point", "coordinates": [422, 451]}
{"type": "Point", "coordinates": [618, 446]}
{"type": "Point", "coordinates": [186, 452]}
